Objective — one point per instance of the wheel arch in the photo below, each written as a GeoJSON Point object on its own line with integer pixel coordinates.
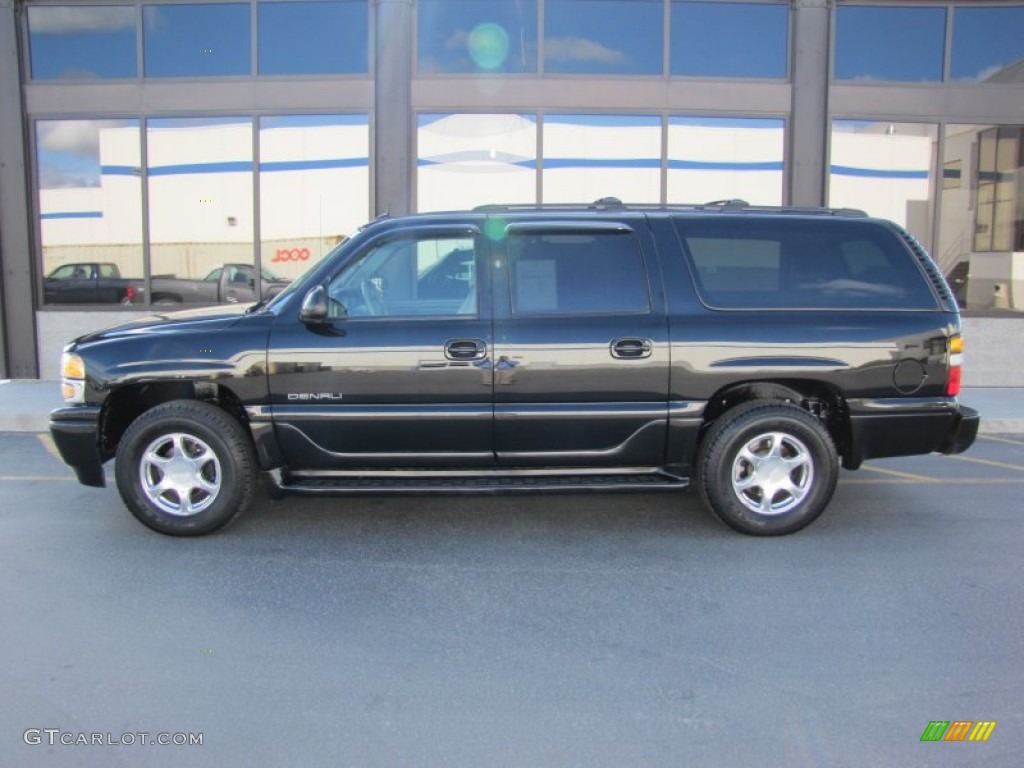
{"type": "Point", "coordinates": [125, 404]}
{"type": "Point", "coordinates": [819, 398]}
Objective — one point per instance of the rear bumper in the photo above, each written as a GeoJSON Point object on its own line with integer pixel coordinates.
{"type": "Point", "coordinates": [75, 432]}
{"type": "Point", "coordinates": [887, 428]}
{"type": "Point", "coordinates": [962, 432]}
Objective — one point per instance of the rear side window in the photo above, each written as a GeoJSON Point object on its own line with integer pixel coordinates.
{"type": "Point", "coordinates": [748, 263]}
{"type": "Point", "coordinates": [571, 273]}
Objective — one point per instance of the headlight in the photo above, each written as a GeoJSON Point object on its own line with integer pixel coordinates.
{"type": "Point", "coordinates": [72, 371]}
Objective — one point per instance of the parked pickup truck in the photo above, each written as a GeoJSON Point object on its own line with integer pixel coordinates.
{"type": "Point", "coordinates": [88, 282]}
{"type": "Point", "coordinates": [230, 283]}
{"type": "Point", "coordinates": [743, 351]}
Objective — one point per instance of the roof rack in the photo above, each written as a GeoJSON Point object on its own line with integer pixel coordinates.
{"type": "Point", "coordinates": [601, 204]}
{"type": "Point", "coordinates": [730, 205]}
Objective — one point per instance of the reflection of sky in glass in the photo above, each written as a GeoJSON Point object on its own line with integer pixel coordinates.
{"type": "Point", "coordinates": [896, 44]}
{"type": "Point", "coordinates": [986, 40]}
{"type": "Point", "coordinates": [729, 40]}
{"type": "Point", "coordinates": [196, 40]}
{"type": "Point", "coordinates": [82, 42]}
{"type": "Point", "coordinates": [313, 38]}
{"type": "Point", "coordinates": [603, 36]}
{"type": "Point", "coordinates": [69, 151]}
{"type": "Point", "coordinates": [445, 33]}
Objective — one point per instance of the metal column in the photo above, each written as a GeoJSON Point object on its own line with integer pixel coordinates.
{"type": "Point", "coordinates": [808, 129]}
{"type": "Point", "coordinates": [17, 320]}
{"type": "Point", "coordinates": [393, 119]}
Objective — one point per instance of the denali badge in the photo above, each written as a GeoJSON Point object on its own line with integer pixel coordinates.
{"type": "Point", "coordinates": [315, 395]}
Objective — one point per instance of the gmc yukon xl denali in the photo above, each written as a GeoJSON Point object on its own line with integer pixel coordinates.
{"type": "Point", "coordinates": [749, 352]}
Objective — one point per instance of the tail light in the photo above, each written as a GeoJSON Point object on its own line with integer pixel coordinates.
{"type": "Point", "coordinates": [956, 359]}
{"type": "Point", "coordinates": [129, 293]}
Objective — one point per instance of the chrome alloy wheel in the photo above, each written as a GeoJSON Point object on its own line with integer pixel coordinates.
{"type": "Point", "coordinates": [772, 473]}
{"type": "Point", "coordinates": [180, 474]}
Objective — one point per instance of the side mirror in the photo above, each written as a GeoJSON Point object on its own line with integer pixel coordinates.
{"type": "Point", "coordinates": [314, 306]}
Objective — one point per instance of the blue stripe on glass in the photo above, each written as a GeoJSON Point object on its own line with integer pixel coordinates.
{"type": "Point", "coordinates": [315, 165]}
{"type": "Point", "coordinates": [72, 215]}
{"type": "Point", "coordinates": [242, 166]}
{"type": "Point", "coordinates": [235, 166]}
{"type": "Point", "coordinates": [698, 165]}
{"type": "Point", "coordinates": [876, 173]}
{"type": "Point", "coordinates": [120, 170]}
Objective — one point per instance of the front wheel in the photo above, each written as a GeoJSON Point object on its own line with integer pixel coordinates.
{"type": "Point", "coordinates": [185, 468]}
{"type": "Point", "coordinates": [767, 468]}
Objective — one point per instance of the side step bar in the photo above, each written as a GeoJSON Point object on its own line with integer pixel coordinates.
{"type": "Point", "coordinates": [417, 483]}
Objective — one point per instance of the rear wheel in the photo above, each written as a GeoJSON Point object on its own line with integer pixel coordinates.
{"type": "Point", "coordinates": [767, 468]}
{"type": "Point", "coordinates": [185, 468]}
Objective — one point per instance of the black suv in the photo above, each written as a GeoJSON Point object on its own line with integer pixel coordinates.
{"type": "Point", "coordinates": [749, 351]}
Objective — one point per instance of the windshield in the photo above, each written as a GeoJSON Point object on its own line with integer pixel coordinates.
{"type": "Point", "coordinates": [301, 283]}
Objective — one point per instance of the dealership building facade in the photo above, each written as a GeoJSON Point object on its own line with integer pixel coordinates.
{"type": "Point", "coordinates": [175, 139]}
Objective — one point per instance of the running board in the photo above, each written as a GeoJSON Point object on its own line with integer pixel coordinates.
{"type": "Point", "coordinates": [416, 483]}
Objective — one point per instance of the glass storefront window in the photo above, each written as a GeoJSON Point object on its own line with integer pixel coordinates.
{"type": "Point", "coordinates": [314, 187]}
{"type": "Point", "coordinates": [313, 38]}
{"type": "Point", "coordinates": [886, 169]}
{"type": "Point", "coordinates": [466, 160]}
{"type": "Point", "coordinates": [981, 229]}
{"type": "Point", "coordinates": [200, 210]}
{"type": "Point", "coordinates": [587, 157]}
{"type": "Point", "coordinates": [724, 159]}
{"type": "Point", "coordinates": [889, 43]}
{"type": "Point", "coordinates": [729, 39]}
{"type": "Point", "coordinates": [988, 45]}
{"type": "Point", "coordinates": [209, 40]}
{"type": "Point", "coordinates": [82, 42]}
{"type": "Point", "coordinates": [622, 37]}
{"type": "Point", "coordinates": [476, 36]}
{"type": "Point", "coordinates": [90, 210]}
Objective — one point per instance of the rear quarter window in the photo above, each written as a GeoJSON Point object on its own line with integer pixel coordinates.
{"type": "Point", "coordinates": [750, 263]}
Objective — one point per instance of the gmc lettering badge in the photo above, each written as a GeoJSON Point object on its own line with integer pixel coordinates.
{"type": "Point", "coordinates": [315, 396]}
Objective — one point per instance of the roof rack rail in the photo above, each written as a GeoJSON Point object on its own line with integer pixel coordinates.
{"type": "Point", "coordinates": [602, 203]}
{"type": "Point", "coordinates": [732, 202]}
{"type": "Point", "coordinates": [730, 205]}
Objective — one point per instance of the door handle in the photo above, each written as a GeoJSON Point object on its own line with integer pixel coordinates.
{"type": "Point", "coordinates": [465, 349]}
{"type": "Point", "coordinates": [631, 348]}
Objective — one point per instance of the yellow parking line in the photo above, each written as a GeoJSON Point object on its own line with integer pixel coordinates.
{"type": "Point", "coordinates": [50, 446]}
{"type": "Point", "coordinates": [904, 475]}
{"type": "Point", "coordinates": [1001, 440]}
{"type": "Point", "coordinates": [988, 462]}
{"type": "Point", "coordinates": [933, 481]}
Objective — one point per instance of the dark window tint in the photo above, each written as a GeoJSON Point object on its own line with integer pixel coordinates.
{"type": "Point", "coordinates": [576, 273]}
{"type": "Point", "coordinates": [82, 42]}
{"type": "Point", "coordinates": [313, 38]}
{"type": "Point", "coordinates": [805, 264]}
{"type": "Point", "coordinates": [729, 39]}
{"type": "Point", "coordinates": [196, 40]}
{"type": "Point", "coordinates": [477, 36]}
{"type": "Point", "coordinates": [889, 43]}
{"type": "Point", "coordinates": [603, 36]}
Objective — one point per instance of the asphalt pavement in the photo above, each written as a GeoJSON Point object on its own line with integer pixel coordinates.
{"type": "Point", "coordinates": [590, 630]}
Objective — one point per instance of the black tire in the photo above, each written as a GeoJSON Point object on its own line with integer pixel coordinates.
{"type": "Point", "coordinates": [213, 458]}
{"type": "Point", "coordinates": [767, 468]}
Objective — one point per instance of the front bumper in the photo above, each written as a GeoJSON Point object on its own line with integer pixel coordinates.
{"type": "Point", "coordinates": [75, 432]}
{"type": "Point", "coordinates": [962, 432]}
